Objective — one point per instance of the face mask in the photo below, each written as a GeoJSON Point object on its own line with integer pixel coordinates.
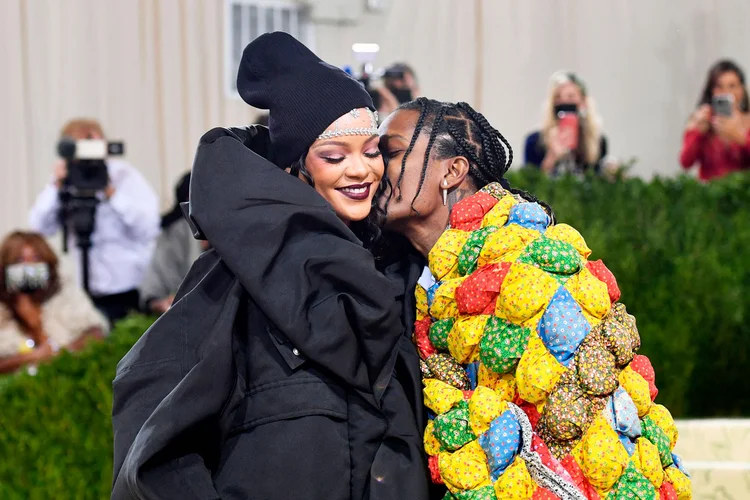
{"type": "Point", "coordinates": [26, 278]}
{"type": "Point", "coordinates": [562, 109]}
{"type": "Point", "coordinates": [401, 95]}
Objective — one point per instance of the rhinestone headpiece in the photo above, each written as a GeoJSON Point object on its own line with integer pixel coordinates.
{"type": "Point", "coordinates": [371, 130]}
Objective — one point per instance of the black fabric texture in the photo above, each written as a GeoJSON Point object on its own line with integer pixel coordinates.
{"type": "Point", "coordinates": [304, 95]}
{"type": "Point", "coordinates": [272, 376]}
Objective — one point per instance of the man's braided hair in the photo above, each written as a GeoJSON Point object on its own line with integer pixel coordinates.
{"type": "Point", "coordinates": [460, 130]}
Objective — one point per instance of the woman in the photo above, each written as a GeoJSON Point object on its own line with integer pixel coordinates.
{"type": "Point", "coordinates": [176, 250]}
{"type": "Point", "coordinates": [528, 360]}
{"type": "Point", "coordinates": [719, 142]}
{"type": "Point", "coordinates": [571, 140]}
{"type": "Point", "coordinates": [281, 370]}
{"type": "Point", "coordinates": [40, 313]}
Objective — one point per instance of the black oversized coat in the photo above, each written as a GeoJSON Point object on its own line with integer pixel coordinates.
{"type": "Point", "coordinates": [283, 369]}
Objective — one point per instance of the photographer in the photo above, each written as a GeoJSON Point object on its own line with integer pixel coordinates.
{"type": "Point", "coordinates": [40, 312]}
{"type": "Point", "coordinates": [571, 138]}
{"type": "Point", "coordinates": [125, 224]}
{"type": "Point", "coordinates": [399, 86]}
{"type": "Point", "coordinates": [717, 136]}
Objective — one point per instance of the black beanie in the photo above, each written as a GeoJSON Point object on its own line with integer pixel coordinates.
{"type": "Point", "coordinates": [303, 94]}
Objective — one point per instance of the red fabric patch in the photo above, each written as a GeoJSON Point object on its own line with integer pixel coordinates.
{"type": "Point", "coordinates": [422, 338]}
{"type": "Point", "coordinates": [531, 412]}
{"type": "Point", "coordinates": [538, 446]}
{"type": "Point", "coordinates": [603, 274]}
{"type": "Point", "coordinates": [468, 395]}
{"type": "Point", "coordinates": [478, 292]}
{"type": "Point", "coordinates": [544, 494]}
{"type": "Point", "coordinates": [642, 366]}
{"type": "Point", "coordinates": [435, 470]}
{"type": "Point", "coordinates": [579, 479]}
{"type": "Point", "coordinates": [468, 213]}
{"type": "Point", "coordinates": [667, 492]}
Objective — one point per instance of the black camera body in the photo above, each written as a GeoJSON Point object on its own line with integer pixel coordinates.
{"type": "Point", "coordinates": [85, 158]}
{"type": "Point", "coordinates": [87, 176]}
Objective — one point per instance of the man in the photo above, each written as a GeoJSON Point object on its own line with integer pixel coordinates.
{"type": "Point", "coordinates": [126, 224]}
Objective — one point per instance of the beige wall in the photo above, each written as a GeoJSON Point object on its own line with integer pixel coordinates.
{"type": "Point", "coordinates": [152, 71]}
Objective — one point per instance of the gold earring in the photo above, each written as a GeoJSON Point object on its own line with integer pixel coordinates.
{"type": "Point", "coordinates": [445, 193]}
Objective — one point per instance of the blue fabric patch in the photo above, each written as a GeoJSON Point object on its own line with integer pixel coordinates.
{"type": "Point", "coordinates": [430, 415]}
{"type": "Point", "coordinates": [563, 326]}
{"type": "Point", "coordinates": [626, 414]}
{"type": "Point", "coordinates": [529, 215]}
{"type": "Point", "coordinates": [472, 371]}
{"type": "Point", "coordinates": [627, 443]}
{"type": "Point", "coordinates": [431, 293]}
{"type": "Point", "coordinates": [501, 443]}
{"type": "Point", "coordinates": [678, 463]}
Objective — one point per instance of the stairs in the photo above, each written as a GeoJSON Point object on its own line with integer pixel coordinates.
{"type": "Point", "coordinates": [716, 452]}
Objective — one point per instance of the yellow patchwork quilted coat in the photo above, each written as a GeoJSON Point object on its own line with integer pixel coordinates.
{"type": "Point", "coordinates": [530, 366]}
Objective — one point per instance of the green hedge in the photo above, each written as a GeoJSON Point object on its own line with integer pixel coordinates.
{"type": "Point", "coordinates": [680, 251]}
{"type": "Point", "coordinates": [56, 428]}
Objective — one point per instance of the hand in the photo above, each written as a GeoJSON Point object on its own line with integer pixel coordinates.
{"type": "Point", "coordinates": [730, 128]}
{"type": "Point", "coordinates": [60, 172]}
{"type": "Point", "coordinates": [558, 142]}
{"type": "Point", "coordinates": [388, 102]}
{"type": "Point", "coordinates": [701, 119]}
{"type": "Point", "coordinates": [109, 191]}
{"type": "Point", "coordinates": [161, 306]}
{"type": "Point", "coordinates": [29, 311]}
{"type": "Point", "coordinates": [41, 353]}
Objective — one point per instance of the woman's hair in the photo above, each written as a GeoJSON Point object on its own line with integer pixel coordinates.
{"type": "Point", "coordinates": [81, 127]}
{"type": "Point", "coordinates": [10, 252]}
{"type": "Point", "coordinates": [718, 69]}
{"type": "Point", "coordinates": [460, 130]}
{"type": "Point", "coordinates": [591, 133]}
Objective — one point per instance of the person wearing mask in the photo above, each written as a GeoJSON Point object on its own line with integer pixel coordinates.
{"type": "Point", "coordinates": [126, 225]}
{"type": "Point", "coordinates": [571, 139]}
{"type": "Point", "coordinates": [176, 250]}
{"type": "Point", "coordinates": [399, 86]}
{"type": "Point", "coordinates": [282, 369]}
{"type": "Point", "coordinates": [717, 136]}
{"type": "Point", "coordinates": [41, 312]}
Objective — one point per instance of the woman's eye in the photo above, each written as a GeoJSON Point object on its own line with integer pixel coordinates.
{"type": "Point", "coordinates": [393, 154]}
{"type": "Point", "coordinates": [373, 154]}
{"type": "Point", "coordinates": [333, 159]}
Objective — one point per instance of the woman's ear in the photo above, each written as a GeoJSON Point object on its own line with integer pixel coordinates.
{"type": "Point", "coordinates": [455, 172]}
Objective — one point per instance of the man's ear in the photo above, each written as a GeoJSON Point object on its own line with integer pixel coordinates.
{"type": "Point", "coordinates": [455, 171]}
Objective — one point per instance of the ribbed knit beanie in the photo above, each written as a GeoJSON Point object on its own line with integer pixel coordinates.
{"type": "Point", "coordinates": [302, 93]}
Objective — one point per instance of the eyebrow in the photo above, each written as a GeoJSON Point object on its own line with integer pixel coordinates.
{"type": "Point", "coordinates": [393, 136]}
{"type": "Point", "coordinates": [340, 143]}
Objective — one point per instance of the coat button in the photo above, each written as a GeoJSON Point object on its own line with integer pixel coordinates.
{"type": "Point", "coordinates": [295, 351]}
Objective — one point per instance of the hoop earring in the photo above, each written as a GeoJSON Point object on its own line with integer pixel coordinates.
{"type": "Point", "coordinates": [445, 193]}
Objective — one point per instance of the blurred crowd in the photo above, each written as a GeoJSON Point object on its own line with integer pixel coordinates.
{"type": "Point", "coordinates": [138, 258]}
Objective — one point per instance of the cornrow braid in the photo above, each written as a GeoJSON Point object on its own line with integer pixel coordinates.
{"type": "Point", "coordinates": [489, 153]}
{"type": "Point", "coordinates": [423, 104]}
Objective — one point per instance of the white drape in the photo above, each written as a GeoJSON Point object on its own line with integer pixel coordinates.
{"type": "Point", "coordinates": [152, 71]}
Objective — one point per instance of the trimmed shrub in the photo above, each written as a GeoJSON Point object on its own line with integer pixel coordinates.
{"type": "Point", "coordinates": [680, 250]}
{"type": "Point", "coordinates": [56, 426]}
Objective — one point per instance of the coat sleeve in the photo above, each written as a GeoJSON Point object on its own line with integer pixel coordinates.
{"type": "Point", "coordinates": [171, 390]}
{"type": "Point", "coordinates": [301, 264]}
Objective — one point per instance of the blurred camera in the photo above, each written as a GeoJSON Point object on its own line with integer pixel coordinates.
{"type": "Point", "coordinates": [87, 170]}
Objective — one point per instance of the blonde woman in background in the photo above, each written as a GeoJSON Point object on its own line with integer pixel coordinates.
{"type": "Point", "coordinates": [571, 139]}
